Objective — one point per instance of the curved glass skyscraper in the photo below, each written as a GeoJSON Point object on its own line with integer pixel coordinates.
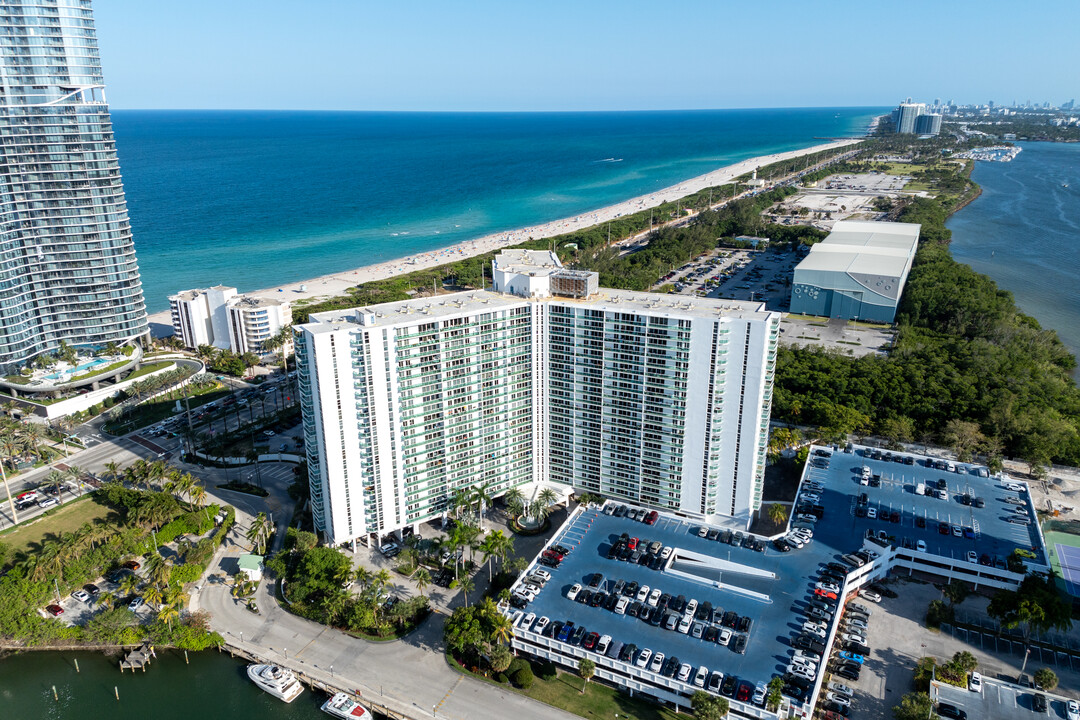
{"type": "Point", "coordinates": [67, 260]}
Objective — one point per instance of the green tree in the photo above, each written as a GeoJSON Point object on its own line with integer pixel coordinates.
{"type": "Point", "coordinates": [501, 657]}
{"type": "Point", "coordinates": [1035, 606]}
{"type": "Point", "coordinates": [586, 669]}
{"type": "Point", "coordinates": [778, 514]}
{"type": "Point", "coordinates": [422, 578]}
{"type": "Point", "coordinates": [775, 694]}
{"type": "Point", "coordinates": [956, 592]}
{"type": "Point", "coordinates": [963, 437]}
{"type": "Point", "coordinates": [914, 706]}
{"type": "Point", "coordinates": [1046, 678]}
{"type": "Point", "coordinates": [707, 706]}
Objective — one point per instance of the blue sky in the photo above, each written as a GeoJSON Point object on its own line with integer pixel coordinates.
{"type": "Point", "coordinates": [584, 55]}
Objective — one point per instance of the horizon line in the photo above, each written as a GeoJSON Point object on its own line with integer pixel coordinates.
{"type": "Point", "coordinates": [499, 112]}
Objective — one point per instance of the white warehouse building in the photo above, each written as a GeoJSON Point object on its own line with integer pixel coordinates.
{"type": "Point", "coordinates": [658, 400]}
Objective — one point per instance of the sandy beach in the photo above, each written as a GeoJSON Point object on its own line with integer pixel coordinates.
{"type": "Point", "coordinates": [337, 284]}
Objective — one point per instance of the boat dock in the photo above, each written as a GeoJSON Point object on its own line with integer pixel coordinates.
{"type": "Point", "coordinates": [329, 688]}
{"type": "Point", "coordinates": [138, 658]}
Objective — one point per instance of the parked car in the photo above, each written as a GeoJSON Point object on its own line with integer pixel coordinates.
{"type": "Point", "coordinates": [871, 595]}
{"type": "Point", "coordinates": [54, 610]}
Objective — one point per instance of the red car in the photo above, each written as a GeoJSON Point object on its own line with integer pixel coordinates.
{"type": "Point", "coordinates": [631, 544]}
{"type": "Point", "coordinates": [744, 693]}
{"type": "Point", "coordinates": [55, 610]}
{"type": "Point", "coordinates": [590, 640]}
{"type": "Point", "coordinates": [132, 565]}
{"type": "Point", "coordinates": [825, 593]}
{"type": "Point", "coordinates": [651, 518]}
{"type": "Point", "coordinates": [831, 715]}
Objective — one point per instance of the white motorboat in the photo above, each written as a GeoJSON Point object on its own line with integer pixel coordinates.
{"type": "Point", "coordinates": [343, 706]}
{"type": "Point", "coordinates": [276, 680]}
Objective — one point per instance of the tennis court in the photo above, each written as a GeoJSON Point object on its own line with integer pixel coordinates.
{"type": "Point", "coordinates": [1065, 559]}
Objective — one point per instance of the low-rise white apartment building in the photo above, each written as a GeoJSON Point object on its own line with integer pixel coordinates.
{"type": "Point", "coordinates": [656, 399]}
{"type": "Point", "coordinates": [219, 317]}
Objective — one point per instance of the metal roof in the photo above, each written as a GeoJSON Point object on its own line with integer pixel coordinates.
{"type": "Point", "coordinates": [880, 249]}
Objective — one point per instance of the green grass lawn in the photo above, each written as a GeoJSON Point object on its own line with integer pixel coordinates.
{"type": "Point", "coordinates": [149, 368]}
{"type": "Point", "coordinates": [158, 409]}
{"type": "Point", "coordinates": [564, 691]}
{"type": "Point", "coordinates": [67, 518]}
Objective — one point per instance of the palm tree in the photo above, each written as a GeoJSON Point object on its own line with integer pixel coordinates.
{"type": "Point", "coordinates": [490, 549]}
{"type": "Point", "coordinates": [75, 474]}
{"type": "Point", "coordinates": [259, 532]}
{"type": "Point", "coordinates": [513, 496]}
{"type": "Point", "coordinates": [152, 595]}
{"type": "Point", "coordinates": [481, 495]}
{"type": "Point", "coordinates": [197, 493]}
{"type": "Point", "coordinates": [778, 513]}
{"type": "Point", "coordinates": [55, 480]}
{"type": "Point", "coordinates": [112, 468]}
{"type": "Point", "coordinates": [129, 584]}
{"type": "Point", "coordinates": [168, 613]}
{"type": "Point", "coordinates": [422, 578]}
{"type": "Point", "coordinates": [586, 669]}
{"type": "Point", "coordinates": [158, 569]}
{"type": "Point", "coordinates": [502, 630]}
{"type": "Point", "coordinates": [466, 584]}
{"type": "Point", "coordinates": [461, 501]}
{"type": "Point", "coordinates": [7, 443]}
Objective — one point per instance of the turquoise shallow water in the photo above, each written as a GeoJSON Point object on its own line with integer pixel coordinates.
{"type": "Point", "coordinates": [1024, 232]}
{"type": "Point", "coordinates": [256, 199]}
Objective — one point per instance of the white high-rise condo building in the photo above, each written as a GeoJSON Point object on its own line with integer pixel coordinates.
{"type": "Point", "coordinates": [67, 261]}
{"type": "Point", "coordinates": [218, 316]}
{"type": "Point", "coordinates": [657, 399]}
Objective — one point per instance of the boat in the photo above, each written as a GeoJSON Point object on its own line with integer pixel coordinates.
{"type": "Point", "coordinates": [276, 680]}
{"type": "Point", "coordinates": [343, 706]}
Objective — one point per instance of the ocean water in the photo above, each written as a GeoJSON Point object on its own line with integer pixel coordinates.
{"type": "Point", "coordinates": [213, 685]}
{"type": "Point", "coordinates": [1024, 232]}
{"type": "Point", "coordinates": [257, 199]}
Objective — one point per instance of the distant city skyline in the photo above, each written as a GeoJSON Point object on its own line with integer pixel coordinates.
{"type": "Point", "coordinates": [600, 55]}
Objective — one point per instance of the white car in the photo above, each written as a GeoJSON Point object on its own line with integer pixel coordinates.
{"type": "Point", "coordinates": [620, 607]}
{"type": "Point", "coordinates": [972, 557]}
{"type": "Point", "coordinates": [81, 596]}
{"type": "Point", "coordinates": [803, 671]}
{"type": "Point", "coordinates": [528, 620]}
{"type": "Point", "coordinates": [1015, 487]}
{"type": "Point", "coordinates": [841, 688]}
{"type": "Point", "coordinates": [759, 695]}
{"type": "Point", "coordinates": [871, 513]}
{"type": "Point", "coordinates": [699, 677]}
{"type": "Point", "coordinates": [811, 497]}
{"type": "Point", "coordinates": [542, 574]}
{"type": "Point", "coordinates": [838, 699]}
{"type": "Point", "coordinates": [859, 607]}
{"type": "Point", "coordinates": [654, 597]}
{"type": "Point", "coordinates": [525, 594]}
{"type": "Point", "coordinates": [541, 624]}
{"type": "Point", "coordinates": [803, 655]}
{"type": "Point", "coordinates": [827, 587]}
{"type": "Point", "coordinates": [691, 608]}
{"type": "Point", "coordinates": [572, 593]}
{"type": "Point", "coordinates": [807, 517]}
{"type": "Point", "coordinates": [1072, 710]}
{"type": "Point", "coordinates": [684, 624]}
{"type": "Point", "coordinates": [870, 595]}
{"type": "Point", "coordinates": [657, 662]}
{"type": "Point", "coordinates": [853, 638]}
{"type": "Point", "coordinates": [603, 645]}
{"type": "Point", "coordinates": [920, 545]}
{"type": "Point", "coordinates": [975, 682]}
{"type": "Point", "coordinates": [815, 630]}
{"type": "Point", "coordinates": [794, 541]}
{"type": "Point", "coordinates": [724, 637]}
{"type": "Point", "coordinates": [856, 623]}
{"type": "Point", "coordinates": [643, 593]}
{"type": "Point", "coordinates": [665, 553]}
{"type": "Point", "coordinates": [643, 658]}
{"type": "Point", "coordinates": [684, 672]}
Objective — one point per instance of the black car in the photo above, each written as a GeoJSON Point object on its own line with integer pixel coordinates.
{"type": "Point", "coordinates": [91, 589]}
{"type": "Point", "coordinates": [620, 511]}
{"type": "Point", "coordinates": [839, 567]}
{"type": "Point", "coordinates": [860, 511]}
{"type": "Point", "coordinates": [713, 534]}
{"type": "Point", "coordinates": [611, 602]}
{"type": "Point", "coordinates": [644, 612]}
{"type": "Point", "coordinates": [631, 589]}
{"type": "Point", "coordinates": [739, 644]}
{"type": "Point", "coordinates": [597, 599]}
{"type": "Point", "coordinates": [516, 601]}
{"type": "Point", "coordinates": [1038, 703]}
{"type": "Point", "coordinates": [578, 635]}
{"type": "Point", "coordinates": [781, 545]}
{"type": "Point", "coordinates": [656, 562]}
{"type": "Point", "coordinates": [711, 633]}
{"type": "Point", "coordinates": [664, 602]}
{"type": "Point", "coordinates": [615, 550]}
{"type": "Point", "coordinates": [553, 629]}
{"type": "Point", "coordinates": [628, 653]}
{"type": "Point", "coordinates": [920, 521]}
{"type": "Point", "coordinates": [549, 562]}
{"type": "Point", "coordinates": [633, 608]}
{"type": "Point", "coordinates": [678, 604]}
{"type": "Point", "coordinates": [832, 706]}
{"type": "Point", "coordinates": [946, 710]}
{"type": "Point", "coordinates": [595, 579]}
{"type": "Point", "coordinates": [793, 691]}
{"type": "Point", "coordinates": [725, 537]}
{"type": "Point", "coordinates": [637, 555]}
{"type": "Point", "coordinates": [727, 688]}
{"type": "Point", "coordinates": [731, 619]}
{"type": "Point", "coordinates": [744, 624]}
{"type": "Point", "coordinates": [704, 611]}
{"type": "Point", "coordinates": [585, 596]}
{"type": "Point", "coordinates": [847, 673]}
{"type": "Point", "coordinates": [657, 617]}
{"type": "Point", "coordinates": [625, 553]}
{"type": "Point", "coordinates": [670, 667]}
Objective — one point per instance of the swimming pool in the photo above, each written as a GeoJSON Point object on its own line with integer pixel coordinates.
{"type": "Point", "coordinates": [78, 369]}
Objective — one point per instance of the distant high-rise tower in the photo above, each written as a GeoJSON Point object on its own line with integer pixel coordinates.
{"type": "Point", "coordinates": [67, 260]}
{"type": "Point", "coordinates": [907, 112]}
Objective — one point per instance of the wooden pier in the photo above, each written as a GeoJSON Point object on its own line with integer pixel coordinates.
{"type": "Point", "coordinates": [138, 658]}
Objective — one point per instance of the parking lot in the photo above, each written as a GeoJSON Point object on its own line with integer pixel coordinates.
{"type": "Point", "coordinates": [762, 275]}
{"type": "Point", "coordinates": [773, 589]}
{"type": "Point", "coordinates": [999, 701]}
{"type": "Point", "coordinates": [993, 531]}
